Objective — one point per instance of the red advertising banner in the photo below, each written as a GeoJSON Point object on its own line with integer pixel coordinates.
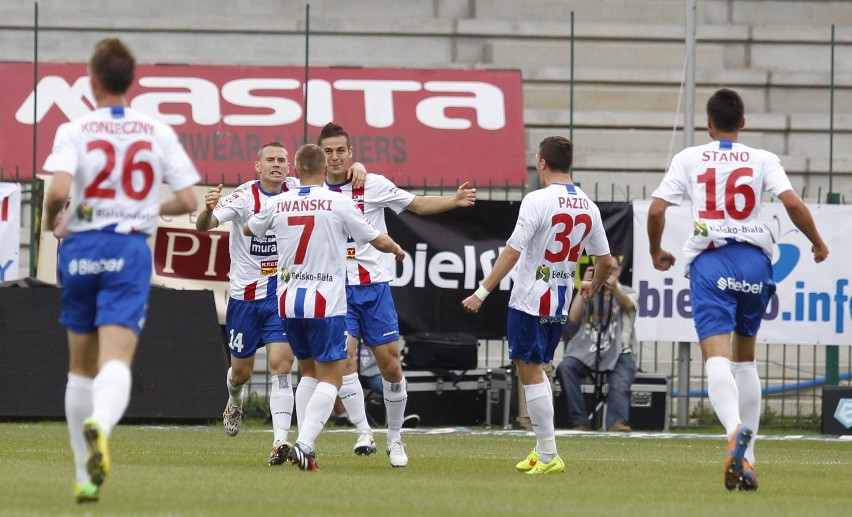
{"type": "Point", "coordinates": [415, 126]}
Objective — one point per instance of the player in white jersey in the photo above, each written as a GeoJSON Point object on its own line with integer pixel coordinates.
{"type": "Point", "coordinates": [728, 264]}
{"type": "Point", "coordinates": [112, 162]}
{"type": "Point", "coordinates": [311, 225]}
{"type": "Point", "coordinates": [372, 315]}
{"type": "Point", "coordinates": [555, 225]}
{"type": "Point", "coordinates": [251, 319]}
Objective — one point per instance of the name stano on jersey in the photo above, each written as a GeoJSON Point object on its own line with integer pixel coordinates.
{"type": "Point", "coordinates": [119, 158]}
{"type": "Point", "coordinates": [554, 225]}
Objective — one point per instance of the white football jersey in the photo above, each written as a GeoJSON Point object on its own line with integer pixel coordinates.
{"type": "Point", "coordinates": [311, 225]}
{"type": "Point", "coordinates": [555, 224]}
{"type": "Point", "coordinates": [725, 181]}
{"type": "Point", "coordinates": [118, 158]}
{"type": "Point", "coordinates": [254, 260]}
{"type": "Point", "coordinates": [365, 264]}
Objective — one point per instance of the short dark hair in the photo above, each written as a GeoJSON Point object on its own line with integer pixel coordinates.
{"type": "Point", "coordinates": [275, 143]}
{"type": "Point", "coordinates": [310, 159]}
{"type": "Point", "coordinates": [558, 152]}
{"type": "Point", "coordinates": [726, 109]}
{"type": "Point", "coordinates": [114, 65]}
{"type": "Point", "coordinates": [330, 130]}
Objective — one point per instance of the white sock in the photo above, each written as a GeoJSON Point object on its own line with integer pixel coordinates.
{"type": "Point", "coordinates": [748, 386]}
{"type": "Point", "coordinates": [78, 407]}
{"type": "Point", "coordinates": [351, 393]}
{"type": "Point", "coordinates": [396, 397]}
{"type": "Point", "coordinates": [316, 414]}
{"type": "Point", "coordinates": [723, 393]}
{"type": "Point", "coordinates": [540, 408]}
{"type": "Point", "coordinates": [111, 394]}
{"type": "Point", "coordinates": [235, 393]}
{"type": "Point", "coordinates": [281, 406]}
{"type": "Point", "coordinates": [304, 392]}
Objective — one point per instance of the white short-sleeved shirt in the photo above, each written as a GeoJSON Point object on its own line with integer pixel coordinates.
{"type": "Point", "coordinates": [254, 260]}
{"type": "Point", "coordinates": [118, 158]}
{"type": "Point", "coordinates": [555, 224]}
{"type": "Point", "coordinates": [724, 180]}
{"type": "Point", "coordinates": [311, 225]}
{"type": "Point", "coordinates": [365, 264]}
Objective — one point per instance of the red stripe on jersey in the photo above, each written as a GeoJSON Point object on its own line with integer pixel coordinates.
{"type": "Point", "coordinates": [319, 306]}
{"type": "Point", "coordinates": [250, 291]}
{"type": "Point", "coordinates": [282, 311]}
{"type": "Point", "coordinates": [363, 275]}
{"type": "Point", "coordinates": [358, 197]}
{"type": "Point", "coordinates": [255, 192]}
{"type": "Point", "coordinates": [544, 304]}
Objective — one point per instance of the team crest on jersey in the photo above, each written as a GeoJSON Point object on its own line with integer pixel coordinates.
{"type": "Point", "coordinates": [268, 267]}
{"type": "Point", "coordinates": [285, 275]}
{"type": "Point", "coordinates": [542, 272]}
{"type": "Point", "coordinates": [699, 228]}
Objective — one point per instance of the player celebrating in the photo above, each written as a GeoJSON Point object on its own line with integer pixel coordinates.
{"type": "Point", "coordinates": [112, 161]}
{"type": "Point", "coordinates": [725, 179]}
{"type": "Point", "coordinates": [372, 315]}
{"type": "Point", "coordinates": [555, 224]}
{"type": "Point", "coordinates": [311, 225]}
{"type": "Point", "coordinates": [252, 320]}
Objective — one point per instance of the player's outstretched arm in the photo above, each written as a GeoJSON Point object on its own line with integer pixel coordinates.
{"type": "Point", "coordinates": [428, 205]}
{"type": "Point", "coordinates": [589, 288]}
{"type": "Point", "coordinates": [384, 243]}
{"type": "Point", "coordinates": [504, 263]}
{"type": "Point", "coordinates": [804, 221]}
{"type": "Point", "coordinates": [55, 201]}
{"type": "Point", "coordinates": [206, 220]}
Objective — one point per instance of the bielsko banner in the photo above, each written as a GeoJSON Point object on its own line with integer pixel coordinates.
{"type": "Point", "coordinates": [415, 126]}
{"type": "Point", "coordinates": [10, 230]}
{"type": "Point", "coordinates": [812, 304]}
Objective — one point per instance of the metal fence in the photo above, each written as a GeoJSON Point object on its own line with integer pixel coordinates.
{"type": "Point", "coordinates": [792, 375]}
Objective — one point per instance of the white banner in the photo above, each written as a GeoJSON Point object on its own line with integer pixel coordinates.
{"type": "Point", "coordinates": [10, 230]}
{"type": "Point", "coordinates": [813, 302]}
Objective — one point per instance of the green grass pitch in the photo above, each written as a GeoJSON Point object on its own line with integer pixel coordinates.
{"type": "Point", "coordinates": [185, 470]}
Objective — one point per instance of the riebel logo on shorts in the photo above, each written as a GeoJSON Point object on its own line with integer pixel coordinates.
{"type": "Point", "coordinates": [94, 267]}
{"type": "Point", "coordinates": [739, 285]}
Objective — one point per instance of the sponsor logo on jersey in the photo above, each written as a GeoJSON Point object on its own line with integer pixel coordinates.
{"type": "Point", "coordinates": [94, 267]}
{"type": "Point", "coordinates": [268, 267]}
{"type": "Point", "coordinates": [85, 211]}
{"type": "Point", "coordinates": [285, 275]}
{"type": "Point", "coordinates": [543, 273]}
{"type": "Point", "coordinates": [263, 246]}
{"type": "Point", "coordinates": [699, 228]}
{"type": "Point", "coordinates": [739, 285]}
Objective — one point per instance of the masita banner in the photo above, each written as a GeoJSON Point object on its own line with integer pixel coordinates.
{"type": "Point", "coordinates": [10, 230]}
{"type": "Point", "coordinates": [415, 126]}
{"type": "Point", "coordinates": [812, 304]}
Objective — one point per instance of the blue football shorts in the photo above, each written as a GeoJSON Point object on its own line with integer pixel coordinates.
{"type": "Point", "coordinates": [320, 339]}
{"type": "Point", "coordinates": [371, 313]}
{"type": "Point", "coordinates": [533, 339]}
{"type": "Point", "coordinates": [253, 324]}
{"type": "Point", "coordinates": [730, 287]}
{"type": "Point", "coordinates": [105, 279]}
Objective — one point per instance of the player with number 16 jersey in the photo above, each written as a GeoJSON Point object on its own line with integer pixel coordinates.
{"type": "Point", "coordinates": [725, 193]}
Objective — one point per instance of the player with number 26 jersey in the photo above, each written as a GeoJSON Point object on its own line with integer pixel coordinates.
{"type": "Point", "coordinates": [725, 193]}
{"type": "Point", "coordinates": [119, 158]}
{"type": "Point", "coordinates": [553, 224]}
